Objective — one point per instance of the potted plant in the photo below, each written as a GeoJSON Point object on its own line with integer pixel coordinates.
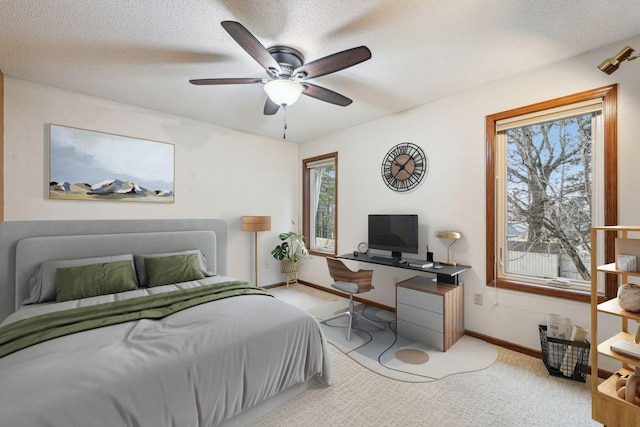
{"type": "Point", "coordinates": [289, 253]}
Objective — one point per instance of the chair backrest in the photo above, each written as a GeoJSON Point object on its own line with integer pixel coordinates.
{"type": "Point", "coordinates": [341, 273]}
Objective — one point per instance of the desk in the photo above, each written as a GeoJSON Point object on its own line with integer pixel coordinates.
{"type": "Point", "coordinates": [446, 274]}
{"type": "Point", "coordinates": [431, 312]}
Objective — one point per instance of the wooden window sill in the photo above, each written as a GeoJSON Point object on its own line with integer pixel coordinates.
{"type": "Point", "coordinates": [550, 291]}
{"type": "Point", "coordinates": [324, 254]}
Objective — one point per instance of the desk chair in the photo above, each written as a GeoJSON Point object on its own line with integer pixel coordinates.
{"type": "Point", "coordinates": [351, 282]}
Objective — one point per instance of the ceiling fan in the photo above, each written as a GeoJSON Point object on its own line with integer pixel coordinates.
{"type": "Point", "coordinates": [287, 71]}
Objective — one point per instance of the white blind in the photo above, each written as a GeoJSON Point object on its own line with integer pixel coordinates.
{"type": "Point", "coordinates": [590, 106]}
{"type": "Point", "coordinates": [321, 163]}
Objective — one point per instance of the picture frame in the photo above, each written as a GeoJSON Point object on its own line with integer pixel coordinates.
{"type": "Point", "coordinates": [91, 165]}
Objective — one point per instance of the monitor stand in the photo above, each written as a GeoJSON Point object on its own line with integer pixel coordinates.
{"type": "Point", "coordinates": [397, 256]}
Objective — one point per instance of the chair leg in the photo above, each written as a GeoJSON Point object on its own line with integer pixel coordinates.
{"type": "Point", "coordinates": [352, 317]}
{"type": "Point", "coordinates": [349, 313]}
{"type": "Point", "coordinates": [356, 316]}
{"type": "Point", "coordinates": [346, 313]}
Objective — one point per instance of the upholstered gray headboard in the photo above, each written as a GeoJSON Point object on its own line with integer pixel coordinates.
{"type": "Point", "coordinates": [81, 239]}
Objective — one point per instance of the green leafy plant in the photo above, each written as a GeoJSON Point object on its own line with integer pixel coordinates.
{"type": "Point", "coordinates": [292, 247]}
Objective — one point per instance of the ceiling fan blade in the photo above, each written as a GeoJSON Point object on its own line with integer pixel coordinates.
{"type": "Point", "coordinates": [248, 42]}
{"type": "Point", "coordinates": [270, 107]}
{"type": "Point", "coordinates": [336, 62]}
{"type": "Point", "coordinates": [325, 95]}
{"type": "Point", "coordinates": [232, 81]}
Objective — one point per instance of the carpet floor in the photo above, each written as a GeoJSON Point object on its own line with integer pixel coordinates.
{"type": "Point", "coordinates": [516, 390]}
{"type": "Point", "coordinates": [397, 357]}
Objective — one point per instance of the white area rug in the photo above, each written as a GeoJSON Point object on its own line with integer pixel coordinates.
{"type": "Point", "coordinates": [375, 349]}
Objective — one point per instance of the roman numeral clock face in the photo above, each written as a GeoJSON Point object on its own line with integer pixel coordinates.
{"type": "Point", "coordinates": [404, 167]}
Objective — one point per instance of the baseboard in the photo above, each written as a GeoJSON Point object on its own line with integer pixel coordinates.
{"type": "Point", "coordinates": [274, 285]}
{"type": "Point", "coordinates": [602, 373]}
{"type": "Point", "coordinates": [505, 344]}
{"type": "Point", "coordinates": [355, 297]}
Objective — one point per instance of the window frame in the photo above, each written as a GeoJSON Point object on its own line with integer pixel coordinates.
{"type": "Point", "coordinates": [608, 94]}
{"type": "Point", "coordinates": [306, 203]}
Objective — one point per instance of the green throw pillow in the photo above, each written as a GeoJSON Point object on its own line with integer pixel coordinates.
{"type": "Point", "coordinates": [172, 269]}
{"type": "Point", "coordinates": [94, 279]}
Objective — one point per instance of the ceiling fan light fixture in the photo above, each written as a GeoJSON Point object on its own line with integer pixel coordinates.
{"type": "Point", "coordinates": [283, 92]}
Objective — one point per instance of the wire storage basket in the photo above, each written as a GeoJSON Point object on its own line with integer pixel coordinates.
{"type": "Point", "coordinates": [565, 358]}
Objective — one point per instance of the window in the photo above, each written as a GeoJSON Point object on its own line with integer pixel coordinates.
{"type": "Point", "coordinates": [551, 175]}
{"type": "Point", "coordinates": [320, 202]}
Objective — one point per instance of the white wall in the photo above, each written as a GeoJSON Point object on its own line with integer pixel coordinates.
{"type": "Point", "coordinates": [451, 131]}
{"type": "Point", "coordinates": [224, 173]}
{"type": "Point", "coordinates": [219, 172]}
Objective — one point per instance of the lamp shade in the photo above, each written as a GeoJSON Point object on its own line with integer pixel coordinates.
{"type": "Point", "coordinates": [256, 223]}
{"type": "Point", "coordinates": [283, 91]}
{"type": "Point", "coordinates": [448, 234]}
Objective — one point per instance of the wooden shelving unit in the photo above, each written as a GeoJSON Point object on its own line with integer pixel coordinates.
{"type": "Point", "coordinates": [607, 407]}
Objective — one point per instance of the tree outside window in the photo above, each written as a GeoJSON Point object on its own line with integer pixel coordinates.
{"type": "Point", "coordinates": [549, 199]}
{"type": "Point", "coordinates": [320, 203]}
{"type": "Point", "coordinates": [551, 176]}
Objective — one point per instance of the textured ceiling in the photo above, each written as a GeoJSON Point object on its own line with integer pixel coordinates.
{"type": "Point", "coordinates": [143, 52]}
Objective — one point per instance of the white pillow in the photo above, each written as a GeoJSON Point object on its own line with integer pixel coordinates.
{"type": "Point", "coordinates": [141, 271]}
{"type": "Point", "coordinates": [42, 283]}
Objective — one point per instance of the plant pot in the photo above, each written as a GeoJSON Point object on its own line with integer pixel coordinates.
{"type": "Point", "coordinates": [288, 267]}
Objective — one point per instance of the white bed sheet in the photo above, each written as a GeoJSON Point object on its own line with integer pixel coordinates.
{"type": "Point", "coordinates": [197, 367]}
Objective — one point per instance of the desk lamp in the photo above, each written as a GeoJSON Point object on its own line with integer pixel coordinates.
{"type": "Point", "coordinates": [448, 234]}
{"type": "Point", "coordinates": [256, 223]}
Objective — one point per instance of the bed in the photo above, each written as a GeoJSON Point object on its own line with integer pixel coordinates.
{"type": "Point", "coordinates": [228, 350]}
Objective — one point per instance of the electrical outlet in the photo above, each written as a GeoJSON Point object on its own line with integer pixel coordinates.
{"type": "Point", "coordinates": [477, 298]}
{"type": "Point", "coordinates": [267, 265]}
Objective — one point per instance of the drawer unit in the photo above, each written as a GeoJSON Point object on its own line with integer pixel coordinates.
{"type": "Point", "coordinates": [428, 319]}
{"type": "Point", "coordinates": [424, 335]}
{"type": "Point", "coordinates": [430, 312]}
{"type": "Point", "coordinates": [423, 300]}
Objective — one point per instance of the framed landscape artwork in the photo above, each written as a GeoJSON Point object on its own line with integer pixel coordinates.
{"type": "Point", "coordinates": [89, 165]}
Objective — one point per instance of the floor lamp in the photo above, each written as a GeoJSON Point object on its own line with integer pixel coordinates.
{"type": "Point", "coordinates": [256, 223]}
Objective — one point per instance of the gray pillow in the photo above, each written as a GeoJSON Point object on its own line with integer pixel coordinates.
{"type": "Point", "coordinates": [142, 272]}
{"type": "Point", "coordinates": [94, 279]}
{"type": "Point", "coordinates": [42, 283]}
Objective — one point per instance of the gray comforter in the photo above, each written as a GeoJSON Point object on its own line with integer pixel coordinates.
{"type": "Point", "coordinates": [197, 367]}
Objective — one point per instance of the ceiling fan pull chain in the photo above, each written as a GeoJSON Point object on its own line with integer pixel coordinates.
{"type": "Point", "coordinates": [284, 134]}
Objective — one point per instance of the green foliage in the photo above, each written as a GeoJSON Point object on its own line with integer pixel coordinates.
{"type": "Point", "coordinates": [325, 214]}
{"type": "Point", "coordinates": [292, 247]}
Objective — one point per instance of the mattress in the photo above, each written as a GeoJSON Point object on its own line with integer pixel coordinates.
{"type": "Point", "coordinates": [197, 367]}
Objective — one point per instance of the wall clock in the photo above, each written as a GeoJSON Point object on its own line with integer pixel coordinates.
{"type": "Point", "coordinates": [404, 167]}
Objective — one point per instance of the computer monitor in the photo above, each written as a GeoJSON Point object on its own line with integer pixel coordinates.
{"type": "Point", "coordinates": [395, 233]}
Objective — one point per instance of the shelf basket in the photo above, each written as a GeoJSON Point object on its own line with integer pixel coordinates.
{"type": "Point", "coordinates": [565, 357]}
